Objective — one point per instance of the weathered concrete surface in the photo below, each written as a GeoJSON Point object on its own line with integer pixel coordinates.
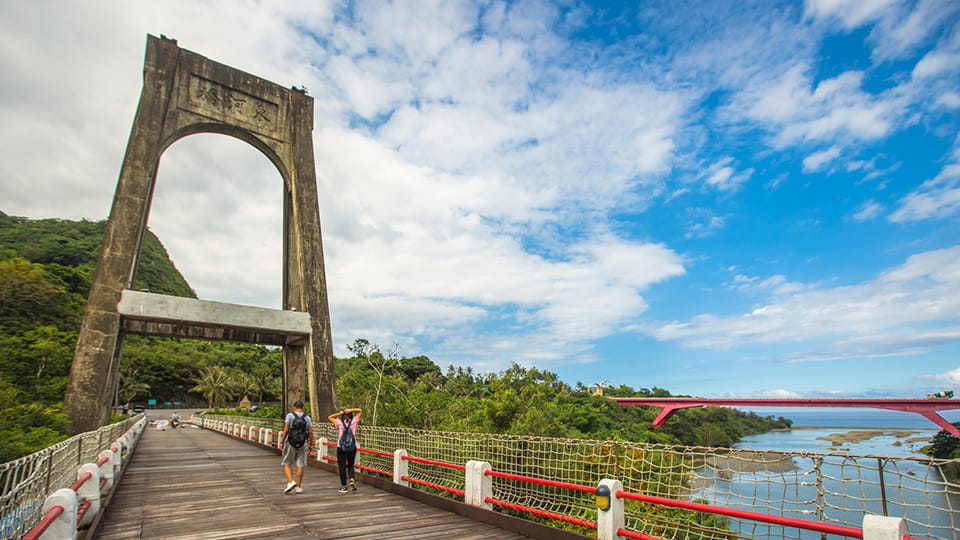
{"type": "Point", "coordinates": [185, 93]}
{"type": "Point", "coordinates": [150, 307]}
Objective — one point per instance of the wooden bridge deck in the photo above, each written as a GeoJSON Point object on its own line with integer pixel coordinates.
{"type": "Point", "coordinates": [198, 484]}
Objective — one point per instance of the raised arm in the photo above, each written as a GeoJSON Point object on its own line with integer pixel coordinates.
{"type": "Point", "coordinates": [333, 417]}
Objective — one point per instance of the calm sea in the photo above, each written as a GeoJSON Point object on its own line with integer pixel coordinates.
{"type": "Point", "coordinates": [815, 424]}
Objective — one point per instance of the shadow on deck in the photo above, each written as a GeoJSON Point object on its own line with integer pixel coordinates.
{"type": "Point", "coordinates": [190, 483]}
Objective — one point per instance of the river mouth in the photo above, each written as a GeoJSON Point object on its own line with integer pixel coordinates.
{"type": "Point", "coordinates": [843, 439]}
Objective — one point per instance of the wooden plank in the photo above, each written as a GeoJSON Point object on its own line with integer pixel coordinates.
{"type": "Point", "coordinates": [190, 484]}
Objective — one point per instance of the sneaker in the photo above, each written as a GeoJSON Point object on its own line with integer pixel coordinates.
{"type": "Point", "coordinates": [343, 489]}
{"type": "Point", "coordinates": [298, 490]}
{"type": "Point", "coordinates": [353, 485]}
{"type": "Point", "coordinates": [290, 485]}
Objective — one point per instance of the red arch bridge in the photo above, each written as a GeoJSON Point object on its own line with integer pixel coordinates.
{"type": "Point", "coordinates": [926, 408]}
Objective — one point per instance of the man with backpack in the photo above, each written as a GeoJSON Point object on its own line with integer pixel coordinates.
{"type": "Point", "coordinates": [294, 443]}
{"type": "Point", "coordinates": [346, 422]}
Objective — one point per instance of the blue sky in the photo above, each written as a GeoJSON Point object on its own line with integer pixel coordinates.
{"type": "Point", "coordinates": [717, 198]}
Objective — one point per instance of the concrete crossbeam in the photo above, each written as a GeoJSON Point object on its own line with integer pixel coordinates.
{"type": "Point", "coordinates": [188, 317]}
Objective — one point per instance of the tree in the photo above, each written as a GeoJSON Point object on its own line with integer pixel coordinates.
{"type": "Point", "coordinates": [381, 365]}
{"type": "Point", "coordinates": [265, 384]}
{"type": "Point", "coordinates": [28, 300]}
{"type": "Point", "coordinates": [944, 444]}
{"type": "Point", "coordinates": [130, 385]}
{"type": "Point", "coordinates": [214, 385]}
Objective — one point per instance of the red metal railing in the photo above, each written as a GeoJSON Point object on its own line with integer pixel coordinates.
{"type": "Point", "coordinates": [542, 513]}
{"type": "Point", "coordinates": [433, 485]}
{"type": "Point", "coordinates": [361, 467]}
{"type": "Point", "coordinates": [828, 528]}
{"type": "Point", "coordinates": [44, 524]}
{"type": "Point", "coordinates": [56, 511]}
{"type": "Point", "coordinates": [437, 463]}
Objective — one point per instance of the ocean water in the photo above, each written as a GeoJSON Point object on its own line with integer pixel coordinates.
{"type": "Point", "coordinates": [854, 417]}
{"type": "Point", "coordinates": [847, 487]}
{"type": "Point", "coordinates": [812, 427]}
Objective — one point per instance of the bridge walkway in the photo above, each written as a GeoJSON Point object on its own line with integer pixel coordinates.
{"type": "Point", "coordinates": [191, 483]}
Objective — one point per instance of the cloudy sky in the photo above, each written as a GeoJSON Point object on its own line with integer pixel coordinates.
{"type": "Point", "coordinates": [716, 198]}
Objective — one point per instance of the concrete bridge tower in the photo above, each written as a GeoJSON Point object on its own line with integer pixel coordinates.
{"type": "Point", "coordinates": [185, 93]}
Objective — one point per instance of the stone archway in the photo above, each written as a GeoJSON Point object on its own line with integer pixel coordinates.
{"type": "Point", "coordinates": [185, 93]}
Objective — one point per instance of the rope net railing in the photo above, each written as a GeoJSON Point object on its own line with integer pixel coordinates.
{"type": "Point", "coordinates": [26, 482]}
{"type": "Point", "coordinates": [832, 488]}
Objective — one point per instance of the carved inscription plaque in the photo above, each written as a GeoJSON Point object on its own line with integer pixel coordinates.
{"type": "Point", "coordinates": [220, 102]}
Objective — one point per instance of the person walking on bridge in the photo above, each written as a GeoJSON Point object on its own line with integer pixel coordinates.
{"type": "Point", "coordinates": [346, 421]}
{"type": "Point", "coordinates": [294, 444]}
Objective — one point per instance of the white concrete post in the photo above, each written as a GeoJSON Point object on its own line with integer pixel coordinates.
{"type": "Point", "coordinates": [117, 459]}
{"type": "Point", "coordinates": [477, 485]}
{"type": "Point", "coordinates": [106, 470]}
{"type": "Point", "coordinates": [65, 526]}
{"type": "Point", "coordinates": [122, 441]}
{"type": "Point", "coordinates": [611, 520]}
{"type": "Point", "coordinates": [883, 528]}
{"type": "Point", "coordinates": [322, 449]}
{"type": "Point", "coordinates": [401, 467]}
{"type": "Point", "coordinates": [268, 437]}
{"type": "Point", "coordinates": [89, 491]}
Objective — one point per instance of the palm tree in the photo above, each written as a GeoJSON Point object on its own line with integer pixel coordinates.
{"type": "Point", "coordinates": [215, 385]}
{"type": "Point", "coordinates": [244, 383]}
{"type": "Point", "coordinates": [265, 384]}
{"type": "Point", "coordinates": [129, 385]}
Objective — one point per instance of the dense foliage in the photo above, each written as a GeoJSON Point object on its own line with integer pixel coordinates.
{"type": "Point", "coordinates": [45, 271]}
{"type": "Point", "coordinates": [414, 392]}
{"type": "Point", "coordinates": [946, 446]}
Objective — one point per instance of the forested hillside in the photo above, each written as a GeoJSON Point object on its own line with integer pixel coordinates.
{"type": "Point", "coordinates": [45, 271]}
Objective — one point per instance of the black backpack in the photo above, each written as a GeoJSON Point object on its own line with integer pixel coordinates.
{"type": "Point", "coordinates": [298, 431]}
{"type": "Point", "coordinates": [348, 443]}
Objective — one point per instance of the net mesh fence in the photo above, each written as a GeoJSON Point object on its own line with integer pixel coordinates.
{"type": "Point", "coordinates": [834, 488]}
{"type": "Point", "coordinates": [27, 481]}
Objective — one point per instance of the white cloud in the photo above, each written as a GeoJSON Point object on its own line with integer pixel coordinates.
{"type": "Point", "coordinates": [936, 63]}
{"type": "Point", "coordinates": [897, 27]}
{"type": "Point", "coordinates": [867, 211]}
{"type": "Point", "coordinates": [935, 198]}
{"type": "Point", "coordinates": [852, 13]}
{"type": "Point", "coordinates": [950, 379]}
{"type": "Point", "coordinates": [780, 393]}
{"type": "Point", "coordinates": [836, 109]}
{"type": "Point", "coordinates": [484, 180]}
{"type": "Point", "coordinates": [722, 175]}
{"type": "Point", "coordinates": [883, 316]}
{"type": "Point", "coordinates": [948, 100]}
{"type": "Point", "coordinates": [818, 160]}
